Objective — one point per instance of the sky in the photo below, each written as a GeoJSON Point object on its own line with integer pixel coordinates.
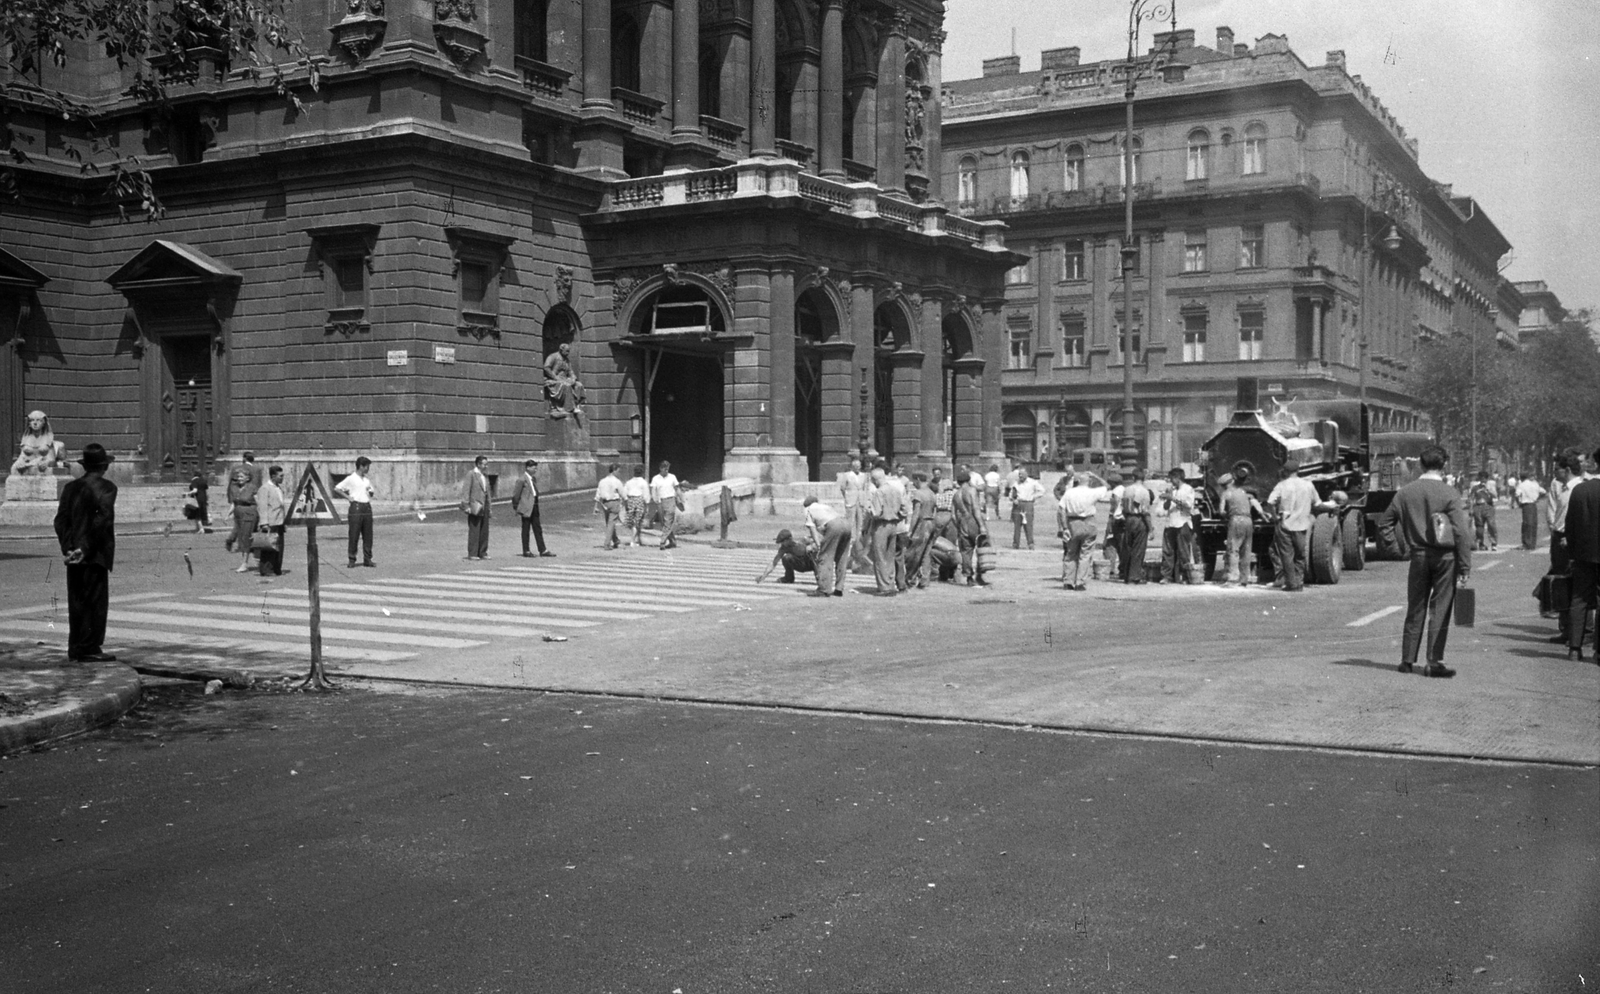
{"type": "Point", "coordinates": [1503, 96]}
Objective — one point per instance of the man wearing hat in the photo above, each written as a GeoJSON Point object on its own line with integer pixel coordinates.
{"type": "Point", "coordinates": [525, 500]}
{"type": "Point", "coordinates": [1238, 507]}
{"type": "Point", "coordinates": [86, 527]}
{"type": "Point", "coordinates": [795, 557]}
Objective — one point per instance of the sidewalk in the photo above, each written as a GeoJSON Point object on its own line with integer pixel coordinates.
{"type": "Point", "coordinates": [43, 697]}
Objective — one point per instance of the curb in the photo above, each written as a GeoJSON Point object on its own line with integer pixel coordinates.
{"type": "Point", "coordinates": [105, 698]}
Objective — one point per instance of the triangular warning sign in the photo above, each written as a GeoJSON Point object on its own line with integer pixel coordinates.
{"type": "Point", "coordinates": [310, 501]}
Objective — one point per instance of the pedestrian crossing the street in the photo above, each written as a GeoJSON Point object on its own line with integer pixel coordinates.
{"type": "Point", "coordinates": [368, 618]}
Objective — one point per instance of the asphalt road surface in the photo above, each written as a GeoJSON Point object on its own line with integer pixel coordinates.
{"type": "Point", "coordinates": [478, 841]}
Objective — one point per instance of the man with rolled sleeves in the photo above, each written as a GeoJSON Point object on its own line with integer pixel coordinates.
{"type": "Point", "coordinates": [1078, 506]}
{"type": "Point", "coordinates": [86, 528]}
{"type": "Point", "coordinates": [1024, 497]}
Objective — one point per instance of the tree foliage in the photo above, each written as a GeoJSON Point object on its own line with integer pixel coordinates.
{"type": "Point", "coordinates": [152, 44]}
{"type": "Point", "coordinates": [1533, 401]}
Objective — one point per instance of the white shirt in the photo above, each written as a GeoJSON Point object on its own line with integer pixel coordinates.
{"type": "Point", "coordinates": [1116, 502]}
{"type": "Point", "coordinates": [1027, 490]}
{"type": "Point", "coordinates": [610, 488]}
{"type": "Point", "coordinates": [991, 479]}
{"type": "Point", "coordinates": [357, 488]}
{"type": "Point", "coordinates": [636, 487]}
{"type": "Point", "coordinates": [1296, 498]}
{"type": "Point", "coordinates": [1180, 506]}
{"type": "Point", "coordinates": [819, 514]}
{"type": "Point", "coordinates": [1080, 502]}
{"type": "Point", "coordinates": [664, 488]}
{"type": "Point", "coordinates": [1529, 491]}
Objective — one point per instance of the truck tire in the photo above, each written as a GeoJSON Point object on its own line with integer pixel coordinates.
{"type": "Point", "coordinates": [1327, 552]}
{"type": "Point", "coordinates": [1354, 536]}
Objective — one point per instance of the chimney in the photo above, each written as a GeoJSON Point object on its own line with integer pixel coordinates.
{"type": "Point", "coordinates": [1240, 50]}
{"type": "Point", "coordinates": [1176, 41]}
{"type": "Point", "coordinates": [1058, 58]}
{"type": "Point", "coordinates": [1004, 65]}
{"type": "Point", "coordinates": [1336, 59]}
{"type": "Point", "coordinates": [1248, 394]}
{"type": "Point", "coordinates": [1225, 40]}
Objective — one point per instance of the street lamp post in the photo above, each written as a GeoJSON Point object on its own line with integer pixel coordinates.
{"type": "Point", "coordinates": [1138, 12]}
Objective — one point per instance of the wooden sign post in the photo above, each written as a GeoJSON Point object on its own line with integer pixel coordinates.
{"type": "Point", "coordinates": [309, 506]}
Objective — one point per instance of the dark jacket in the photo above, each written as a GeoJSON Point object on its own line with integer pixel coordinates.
{"type": "Point", "coordinates": [1413, 514]}
{"type": "Point", "coordinates": [1583, 522]}
{"type": "Point", "coordinates": [86, 519]}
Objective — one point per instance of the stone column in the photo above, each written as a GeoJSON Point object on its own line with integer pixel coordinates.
{"type": "Point", "coordinates": [863, 369]}
{"type": "Point", "coordinates": [1157, 334]}
{"type": "Point", "coordinates": [597, 54]}
{"type": "Point", "coordinates": [1319, 337]}
{"type": "Point", "coordinates": [830, 134]}
{"type": "Point", "coordinates": [781, 321]}
{"type": "Point", "coordinates": [967, 424]}
{"type": "Point", "coordinates": [763, 78]}
{"type": "Point", "coordinates": [1046, 267]}
{"type": "Point", "coordinates": [657, 37]}
{"type": "Point", "coordinates": [838, 405]}
{"type": "Point", "coordinates": [991, 348]}
{"type": "Point", "coordinates": [892, 105]}
{"type": "Point", "coordinates": [1101, 263]}
{"type": "Point", "coordinates": [686, 67]}
{"type": "Point", "coordinates": [933, 138]}
{"type": "Point", "coordinates": [931, 333]}
{"type": "Point", "coordinates": [909, 364]}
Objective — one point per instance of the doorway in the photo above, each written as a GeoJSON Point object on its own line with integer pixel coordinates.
{"type": "Point", "coordinates": [189, 424]}
{"type": "Point", "coordinates": [686, 416]}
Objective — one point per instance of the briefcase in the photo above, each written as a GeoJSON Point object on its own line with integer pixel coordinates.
{"type": "Point", "coordinates": [1466, 609]}
{"type": "Point", "coordinates": [1554, 593]}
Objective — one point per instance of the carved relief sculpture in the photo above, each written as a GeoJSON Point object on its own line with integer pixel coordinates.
{"type": "Point", "coordinates": [459, 41]}
{"type": "Point", "coordinates": [361, 30]}
{"type": "Point", "coordinates": [40, 452]}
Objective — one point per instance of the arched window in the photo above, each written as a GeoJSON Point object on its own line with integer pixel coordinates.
{"type": "Point", "coordinates": [967, 180]}
{"type": "Point", "coordinates": [1199, 154]}
{"type": "Point", "coordinates": [1019, 175]}
{"type": "Point", "coordinates": [1255, 149]}
{"type": "Point", "coordinates": [1073, 173]}
{"type": "Point", "coordinates": [1122, 162]}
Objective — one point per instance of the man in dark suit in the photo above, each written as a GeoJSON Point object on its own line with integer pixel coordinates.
{"type": "Point", "coordinates": [525, 500]}
{"type": "Point", "coordinates": [1583, 546]}
{"type": "Point", "coordinates": [86, 528]}
{"type": "Point", "coordinates": [475, 502]}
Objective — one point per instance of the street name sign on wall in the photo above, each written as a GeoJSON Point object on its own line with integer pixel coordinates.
{"type": "Point", "coordinates": [310, 501]}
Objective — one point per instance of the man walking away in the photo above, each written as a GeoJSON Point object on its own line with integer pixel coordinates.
{"type": "Point", "coordinates": [1177, 538]}
{"type": "Point", "coordinates": [1433, 524]}
{"type": "Point", "coordinates": [1583, 549]}
{"type": "Point", "coordinates": [272, 511]}
{"type": "Point", "coordinates": [1078, 532]}
{"type": "Point", "coordinates": [1238, 506]}
{"type": "Point", "coordinates": [525, 501]}
{"type": "Point", "coordinates": [1481, 497]}
{"type": "Point", "coordinates": [1295, 502]}
{"type": "Point", "coordinates": [358, 489]}
{"type": "Point", "coordinates": [608, 502]}
{"type": "Point", "coordinates": [475, 502]}
{"type": "Point", "coordinates": [86, 528]}
{"type": "Point", "coordinates": [1527, 496]}
{"type": "Point", "coordinates": [1023, 498]}
{"type": "Point", "coordinates": [829, 532]}
{"type": "Point", "coordinates": [666, 491]}
{"type": "Point", "coordinates": [1135, 526]}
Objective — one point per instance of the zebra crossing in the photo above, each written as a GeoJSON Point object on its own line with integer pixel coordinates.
{"type": "Point", "coordinates": [367, 618]}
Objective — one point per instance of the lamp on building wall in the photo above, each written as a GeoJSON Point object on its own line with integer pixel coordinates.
{"type": "Point", "coordinates": [636, 425]}
{"type": "Point", "coordinates": [1139, 11]}
{"type": "Point", "coordinates": [1388, 197]}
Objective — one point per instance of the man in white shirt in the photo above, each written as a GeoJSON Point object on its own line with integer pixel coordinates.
{"type": "Point", "coordinates": [664, 490]}
{"type": "Point", "coordinates": [1528, 493]}
{"type": "Point", "coordinates": [853, 486]}
{"type": "Point", "coordinates": [1177, 538]}
{"type": "Point", "coordinates": [359, 491]}
{"type": "Point", "coordinates": [1078, 507]}
{"type": "Point", "coordinates": [991, 486]}
{"type": "Point", "coordinates": [1023, 496]}
{"type": "Point", "coordinates": [1295, 501]}
{"type": "Point", "coordinates": [829, 533]}
{"type": "Point", "coordinates": [608, 502]}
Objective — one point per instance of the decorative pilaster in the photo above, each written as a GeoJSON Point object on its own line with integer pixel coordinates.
{"type": "Point", "coordinates": [892, 102]}
{"type": "Point", "coordinates": [830, 136]}
{"type": "Point", "coordinates": [763, 78]}
{"type": "Point", "coordinates": [597, 54]}
{"type": "Point", "coordinates": [686, 68]}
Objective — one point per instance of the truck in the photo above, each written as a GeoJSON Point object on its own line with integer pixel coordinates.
{"type": "Point", "coordinates": [1324, 440]}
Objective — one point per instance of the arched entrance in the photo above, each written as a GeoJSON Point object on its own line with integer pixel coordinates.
{"type": "Point", "coordinates": [682, 381]}
{"type": "Point", "coordinates": [891, 332]}
{"type": "Point", "coordinates": [815, 322]}
{"type": "Point", "coordinates": [1017, 432]}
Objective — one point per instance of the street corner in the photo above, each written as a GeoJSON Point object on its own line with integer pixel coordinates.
{"type": "Point", "coordinates": [44, 698]}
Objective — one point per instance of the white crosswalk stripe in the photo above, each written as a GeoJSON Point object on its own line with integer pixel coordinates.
{"type": "Point", "coordinates": [385, 619]}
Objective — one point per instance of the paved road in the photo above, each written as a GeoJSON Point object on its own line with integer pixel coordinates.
{"type": "Point", "coordinates": [1314, 668]}
{"type": "Point", "coordinates": [490, 841]}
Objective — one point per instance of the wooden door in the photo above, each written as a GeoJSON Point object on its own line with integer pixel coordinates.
{"type": "Point", "coordinates": [189, 445]}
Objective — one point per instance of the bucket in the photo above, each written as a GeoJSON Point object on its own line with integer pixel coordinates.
{"type": "Point", "coordinates": [985, 558]}
{"type": "Point", "coordinates": [1099, 569]}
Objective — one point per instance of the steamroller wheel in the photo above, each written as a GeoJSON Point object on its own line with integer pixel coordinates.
{"type": "Point", "coordinates": [1353, 533]}
{"type": "Point", "coordinates": [1327, 552]}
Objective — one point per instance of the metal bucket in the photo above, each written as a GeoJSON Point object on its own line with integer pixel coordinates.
{"type": "Point", "coordinates": [985, 558]}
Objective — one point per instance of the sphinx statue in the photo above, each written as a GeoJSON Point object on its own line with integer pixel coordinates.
{"type": "Point", "coordinates": [40, 452]}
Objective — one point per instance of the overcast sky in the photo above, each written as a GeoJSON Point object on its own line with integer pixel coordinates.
{"type": "Point", "coordinates": [1502, 94]}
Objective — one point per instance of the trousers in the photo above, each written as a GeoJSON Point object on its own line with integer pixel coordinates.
{"type": "Point", "coordinates": [1177, 552]}
{"type": "Point", "coordinates": [1081, 534]}
{"type": "Point", "coordinates": [831, 555]}
{"type": "Point", "coordinates": [1021, 522]}
{"type": "Point", "coordinates": [88, 599]}
{"type": "Point", "coordinates": [1239, 548]}
{"type": "Point", "coordinates": [1290, 550]}
{"type": "Point", "coordinates": [359, 518]}
{"type": "Point", "coordinates": [1430, 599]}
{"type": "Point", "coordinates": [530, 525]}
{"type": "Point", "coordinates": [1530, 526]}
{"type": "Point", "coordinates": [888, 564]}
{"type": "Point", "coordinates": [1585, 579]}
{"type": "Point", "coordinates": [478, 536]}
{"type": "Point", "coordinates": [1135, 536]}
{"type": "Point", "coordinates": [1483, 527]}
